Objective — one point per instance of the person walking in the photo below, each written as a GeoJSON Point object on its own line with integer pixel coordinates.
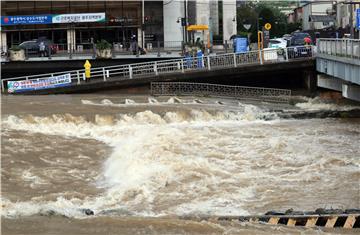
{"type": "Point", "coordinates": [42, 49]}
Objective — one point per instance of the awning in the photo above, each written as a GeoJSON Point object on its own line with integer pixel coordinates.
{"type": "Point", "coordinates": [197, 27]}
{"type": "Point", "coordinates": [321, 18]}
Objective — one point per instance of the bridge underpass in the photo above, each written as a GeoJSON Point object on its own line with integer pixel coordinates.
{"type": "Point", "coordinates": [236, 69]}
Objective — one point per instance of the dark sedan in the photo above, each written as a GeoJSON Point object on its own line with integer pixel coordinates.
{"type": "Point", "coordinates": [32, 47]}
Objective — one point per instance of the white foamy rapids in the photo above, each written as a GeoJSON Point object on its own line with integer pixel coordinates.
{"type": "Point", "coordinates": [314, 104]}
{"type": "Point", "coordinates": [151, 101]}
{"type": "Point", "coordinates": [151, 159]}
{"type": "Point", "coordinates": [200, 162]}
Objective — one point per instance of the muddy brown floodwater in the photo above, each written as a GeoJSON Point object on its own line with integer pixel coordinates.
{"type": "Point", "coordinates": [106, 164]}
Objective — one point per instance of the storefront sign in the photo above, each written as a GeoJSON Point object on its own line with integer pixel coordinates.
{"type": "Point", "coordinates": [77, 18]}
{"type": "Point", "coordinates": [29, 19]}
{"type": "Point", "coordinates": [113, 19]}
{"type": "Point", "coordinates": [38, 84]}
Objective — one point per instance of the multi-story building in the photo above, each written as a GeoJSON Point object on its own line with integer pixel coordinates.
{"type": "Point", "coordinates": [71, 24]}
{"type": "Point", "coordinates": [317, 15]}
{"type": "Point", "coordinates": [345, 13]}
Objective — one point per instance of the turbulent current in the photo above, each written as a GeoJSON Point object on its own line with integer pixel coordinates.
{"type": "Point", "coordinates": [143, 157]}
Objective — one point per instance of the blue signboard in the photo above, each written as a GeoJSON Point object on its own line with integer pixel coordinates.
{"type": "Point", "coordinates": [38, 84]}
{"type": "Point", "coordinates": [358, 18]}
{"type": "Point", "coordinates": [241, 45]}
{"type": "Point", "coordinates": [29, 19]}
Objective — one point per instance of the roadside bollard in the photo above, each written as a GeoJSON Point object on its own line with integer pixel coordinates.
{"type": "Point", "coordinates": [87, 67]}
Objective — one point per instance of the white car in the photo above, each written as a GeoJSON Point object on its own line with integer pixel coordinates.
{"type": "Point", "coordinates": [277, 43]}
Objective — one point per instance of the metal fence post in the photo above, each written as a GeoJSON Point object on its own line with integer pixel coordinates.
{"type": "Point", "coordinates": [94, 50]}
{"type": "Point", "coordinates": [234, 60]}
{"type": "Point", "coordinates": [352, 49]}
{"type": "Point", "coordinates": [137, 50]}
{"type": "Point", "coordinates": [130, 72]}
{"type": "Point", "coordinates": [158, 48]}
{"type": "Point", "coordinates": [261, 57]}
{"type": "Point", "coordinates": [226, 46]}
{"type": "Point", "coordinates": [182, 65]}
{"type": "Point", "coordinates": [286, 54]}
{"type": "Point", "coordinates": [78, 76]}
{"type": "Point", "coordinates": [104, 73]}
{"type": "Point", "coordinates": [208, 62]}
{"type": "Point", "coordinates": [70, 55]}
{"type": "Point", "coordinates": [26, 54]}
{"type": "Point", "coordinates": [155, 68]}
{"type": "Point", "coordinates": [49, 53]}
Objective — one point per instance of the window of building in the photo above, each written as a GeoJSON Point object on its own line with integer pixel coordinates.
{"type": "Point", "coordinates": [60, 7]}
{"type": "Point", "coordinates": [26, 8]}
{"type": "Point", "coordinates": [42, 7]}
{"type": "Point", "coordinates": [79, 7]}
{"type": "Point", "coordinates": [96, 6]}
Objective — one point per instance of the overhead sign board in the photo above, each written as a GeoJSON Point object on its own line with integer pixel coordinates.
{"type": "Point", "coordinates": [53, 19]}
{"type": "Point", "coordinates": [38, 84]}
{"type": "Point", "coordinates": [27, 19]}
{"type": "Point", "coordinates": [358, 18]}
{"type": "Point", "coordinates": [78, 18]}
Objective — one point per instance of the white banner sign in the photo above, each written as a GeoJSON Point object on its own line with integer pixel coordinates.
{"type": "Point", "coordinates": [76, 18]}
{"type": "Point", "coordinates": [41, 83]}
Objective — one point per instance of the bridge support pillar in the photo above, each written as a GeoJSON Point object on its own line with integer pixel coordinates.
{"type": "Point", "coordinates": [328, 82]}
{"type": "Point", "coordinates": [310, 80]}
{"type": "Point", "coordinates": [351, 91]}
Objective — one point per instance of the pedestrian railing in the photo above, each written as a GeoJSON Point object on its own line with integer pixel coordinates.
{"type": "Point", "coordinates": [349, 48]}
{"type": "Point", "coordinates": [183, 65]}
{"type": "Point", "coordinates": [206, 89]}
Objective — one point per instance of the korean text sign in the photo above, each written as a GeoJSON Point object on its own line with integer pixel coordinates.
{"type": "Point", "coordinates": [37, 84]}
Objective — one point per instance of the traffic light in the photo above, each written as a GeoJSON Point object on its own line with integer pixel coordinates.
{"type": "Point", "coordinates": [183, 21]}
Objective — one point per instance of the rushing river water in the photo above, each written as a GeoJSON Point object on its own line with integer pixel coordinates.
{"type": "Point", "coordinates": [139, 162]}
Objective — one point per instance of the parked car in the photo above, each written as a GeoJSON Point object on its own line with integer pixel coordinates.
{"type": "Point", "coordinates": [299, 51]}
{"type": "Point", "coordinates": [278, 43]}
{"type": "Point", "coordinates": [297, 45]}
{"type": "Point", "coordinates": [32, 46]}
{"type": "Point", "coordinates": [297, 38]}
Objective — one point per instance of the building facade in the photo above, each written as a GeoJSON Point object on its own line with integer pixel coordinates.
{"type": "Point", "coordinates": [317, 15]}
{"type": "Point", "coordinates": [74, 25]}
{"type": "Point", "coordinates": [346, 15]}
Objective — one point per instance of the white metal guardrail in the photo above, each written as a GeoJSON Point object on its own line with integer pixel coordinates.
{"type": "Point", "coordinates": [349, 48]}
{"type": "Point", "coordinates": [155, 68]}
{"type": "Point", "coordinates": [206, 89]}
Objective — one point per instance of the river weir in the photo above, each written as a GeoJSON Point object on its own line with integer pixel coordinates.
{"type": "Point", "coordinates": [107, 164]}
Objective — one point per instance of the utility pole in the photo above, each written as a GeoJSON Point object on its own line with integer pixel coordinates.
{"type": "Point", "coordinates": [186, 20]}
{"type": "Point", "coordinates": [143, 25]}
{"type": "Point", "coordinates": [351, 21]}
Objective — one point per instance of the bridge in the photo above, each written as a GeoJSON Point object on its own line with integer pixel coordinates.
{"type": "Point", "coordinates": [338, 62]}
{"type": "Point", "coordinates": [226, 65]}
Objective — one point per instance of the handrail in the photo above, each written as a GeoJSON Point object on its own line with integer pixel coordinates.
{"type": "Point", "coordinates": [348, 48]}
{"type": "Point", "coordinates": [182, 65]}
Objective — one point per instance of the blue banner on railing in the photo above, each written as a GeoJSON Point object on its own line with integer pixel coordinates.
{"type": "Point", "coordinates": [358, 18]}
{"type": "Point", "coordinates": [28, 19]}
{"type": "Point", "coordinates": [38, 84]}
